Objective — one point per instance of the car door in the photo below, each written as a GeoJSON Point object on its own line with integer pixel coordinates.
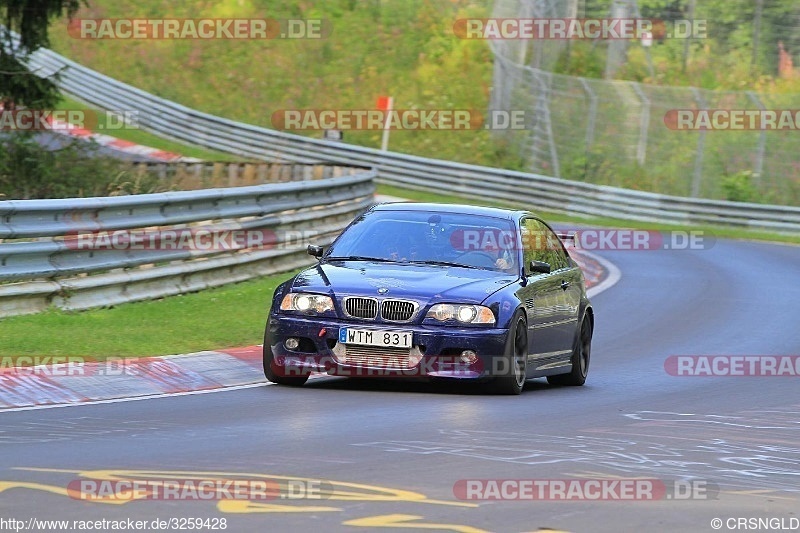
{"type": "Point", "coordinates": [542, 297]}
{"type": "Point", "coordinates": [568, 278]}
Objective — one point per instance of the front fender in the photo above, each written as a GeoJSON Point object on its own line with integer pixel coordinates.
{"type": "Point", "coordinates": [277, 296]}
{"type": "Point", "coordinates": [504, 303]}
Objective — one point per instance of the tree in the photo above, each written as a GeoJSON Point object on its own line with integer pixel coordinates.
{"type": "Point", "coordinates": [24, 30]}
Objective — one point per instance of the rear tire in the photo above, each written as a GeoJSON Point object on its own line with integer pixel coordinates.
{"type": "Point", "coordinates": [517, 353]}
{"type": "Point", "coordinates": [270, 367]}
{"type": "Point", "coordinates": [581, 354]}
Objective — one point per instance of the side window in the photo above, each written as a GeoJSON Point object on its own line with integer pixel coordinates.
{"type": "Point", "coordinates": [541, 244]}
{"type": "Point", "coordinates": [530, 246]}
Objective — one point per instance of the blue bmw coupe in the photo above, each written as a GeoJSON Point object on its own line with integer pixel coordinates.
{"type": "Point", "coordinates": [435, 291]}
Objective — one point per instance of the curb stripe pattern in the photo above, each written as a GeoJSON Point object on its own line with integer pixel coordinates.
{"type": "Point", "coordinates": [48, 386]}
{"type": "Point", "coordinates": [65, 128]}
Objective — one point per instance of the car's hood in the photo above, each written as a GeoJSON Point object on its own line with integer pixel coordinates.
{"type": "Point", "coordinates": [423, 283]}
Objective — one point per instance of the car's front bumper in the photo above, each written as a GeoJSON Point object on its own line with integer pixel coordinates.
{"type": "Point", "coordinates": [435, 352]}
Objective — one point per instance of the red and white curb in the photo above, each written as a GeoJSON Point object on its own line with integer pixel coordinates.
{"type": "Point", "coordinates": [79, 383]}
{"type": "Point", "coordinates": [128, 147]}
{"type": "Point", "coordinates": [601, 274]}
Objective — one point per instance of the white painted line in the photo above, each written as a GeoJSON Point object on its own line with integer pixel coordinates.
{"type": "Point", "coordinates": [316, 375]}
{"type": "Point", "coordinates": [135, 398]}
{"type": "Point", "coordinates": [614, 275]}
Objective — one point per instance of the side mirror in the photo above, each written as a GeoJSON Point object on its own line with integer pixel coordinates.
{"type": "Point", "coordinates": [540, 267]}
{"type": "Point", "coordinates": [317, 251]}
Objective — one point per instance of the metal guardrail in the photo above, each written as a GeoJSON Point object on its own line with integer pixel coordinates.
{"type": "Point", "coordinates": [46, 258]}
{"type": "Point", "coordinates": [186, 176]}
{"type": "Point", "coordinates": [532, 190]}
{"type": "Point", "coordinates": [207, 174]}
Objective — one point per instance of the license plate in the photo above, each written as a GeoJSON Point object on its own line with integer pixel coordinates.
{"type": "Point", "coordinates": [376, 337]}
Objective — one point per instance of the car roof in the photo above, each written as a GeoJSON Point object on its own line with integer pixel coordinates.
{"type": "Point", "coordinates": [497, 212]}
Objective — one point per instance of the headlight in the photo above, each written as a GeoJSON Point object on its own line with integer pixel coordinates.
{"type": "Point", "coordinates": [305, 303]}
{"type": "Point", "coordinates": [468, 314]}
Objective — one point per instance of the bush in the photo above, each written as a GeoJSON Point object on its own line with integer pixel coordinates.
{"type": "Point", "coordinates": [29, 170]}
{"type": "Point", "coordinates": [739, 187]}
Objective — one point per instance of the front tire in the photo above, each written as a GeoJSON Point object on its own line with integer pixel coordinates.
{"type": "Point", "coordinates": [271, 371]}
{"type": "Point", "coordinates": [581, 354]}
{"type": "Point", "coordinates": [517, 353]}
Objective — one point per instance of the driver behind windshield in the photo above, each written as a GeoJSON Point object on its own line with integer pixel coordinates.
{"type": "Point", "coordinates": [399, 247]}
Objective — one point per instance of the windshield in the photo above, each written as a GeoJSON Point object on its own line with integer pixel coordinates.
{"type": "Point", "coordinates": [446, 239]}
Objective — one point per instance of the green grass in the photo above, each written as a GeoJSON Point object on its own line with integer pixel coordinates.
{"type": "Point", "coordinates": [140, 136]}
{"type": "Point", "coordinates": [405, 49]}
{"type": "Point", "coordinates": [224, 317]}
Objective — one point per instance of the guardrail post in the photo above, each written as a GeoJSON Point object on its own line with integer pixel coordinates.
{"type": "Point", "coordinates": [233, 174]}
{"type": "Point", "coordinates": [216, 171]}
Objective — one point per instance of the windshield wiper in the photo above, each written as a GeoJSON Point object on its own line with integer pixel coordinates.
{"type": "Point", "coordinates": [361, 258]}
{"type": "Point", "coordinates": [447, 263]}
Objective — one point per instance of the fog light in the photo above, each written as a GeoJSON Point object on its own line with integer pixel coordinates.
{"type": "Point", "coordinates": [468, 356]}
{"type": "Point", "coordinates": [291, 343]}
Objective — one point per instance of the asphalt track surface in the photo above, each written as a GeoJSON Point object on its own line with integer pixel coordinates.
{"type": "Point", "coordinates": [407, 445]}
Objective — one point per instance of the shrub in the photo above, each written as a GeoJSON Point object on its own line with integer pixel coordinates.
{"type": "Point", "coordinates": [739, 187]}
{"type": "Point", "coordinates": [29, 170]}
